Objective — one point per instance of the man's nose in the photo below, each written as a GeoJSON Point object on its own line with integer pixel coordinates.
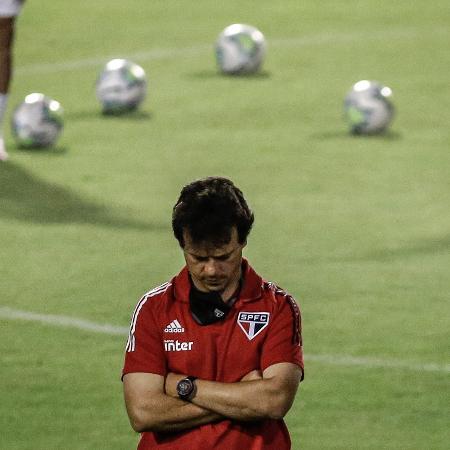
{"type": "Point", "coordinates": [210, 267]}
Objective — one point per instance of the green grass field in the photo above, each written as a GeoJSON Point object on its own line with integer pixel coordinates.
{"type": "Point", "coordinates": [356, 228]}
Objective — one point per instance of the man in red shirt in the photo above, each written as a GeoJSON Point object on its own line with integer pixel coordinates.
{"type": "Point", "coordinates": [214, 356]}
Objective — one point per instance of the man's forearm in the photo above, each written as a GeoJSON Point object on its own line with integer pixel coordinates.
{"type": "Point", "coordinates": [164, 413]}
{"type": "Point", "coordinates": [247, 400]}
{"type": "Point", "coordinates": [256, 396]}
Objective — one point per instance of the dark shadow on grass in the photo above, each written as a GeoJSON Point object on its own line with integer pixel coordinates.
{"type": "Point", "coordinates": [135, 116]}
{"type": "Point", "coordinates": [130, 115]}
{"type": "Point", "coordinates": [214, 74]}
{"type": "Point", "coordinates": [57, 150]}
{"type": "Point", "coordinates": [25, 197]}
{"type": "Point", "coordinates": [426, 247]}
{"type": "Point", "coordinates": [423, 248]}
{"type": "Point", "coordinates": [344, 134]}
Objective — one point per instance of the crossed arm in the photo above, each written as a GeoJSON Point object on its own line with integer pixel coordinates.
{"type": "Point", "coordinates": [153, 404]}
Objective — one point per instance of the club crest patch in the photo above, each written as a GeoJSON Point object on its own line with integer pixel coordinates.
{"type": "Point", "coordinates": [252, 323]}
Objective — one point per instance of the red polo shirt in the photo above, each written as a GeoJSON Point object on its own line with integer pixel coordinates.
{"type": "Point", "coordinates": [263, 328]}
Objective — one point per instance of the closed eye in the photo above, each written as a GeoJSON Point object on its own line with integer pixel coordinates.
{"type": "Point", "coordinates": [201, 258]}
{"type": "Point", "coordinates": [222, 258]}
{"type": "Point", "coordinates": [216, 258]}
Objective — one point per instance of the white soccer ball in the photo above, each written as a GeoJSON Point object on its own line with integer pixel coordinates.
{"type": "Point", "coordinates": [37, 121]}
{"type": "Point", "coordinates": [368, 108]}
{"type": "Point", "coordinates": [121, 86]}
{"type": "Point", "coordinates": [240, 49]}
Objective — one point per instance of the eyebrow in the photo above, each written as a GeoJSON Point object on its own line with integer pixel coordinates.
{"type": "Point", "coordinates": [224, 255]}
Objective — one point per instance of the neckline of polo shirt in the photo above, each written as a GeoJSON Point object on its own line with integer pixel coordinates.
{"type": "Point", "coordinates": [251, 290]}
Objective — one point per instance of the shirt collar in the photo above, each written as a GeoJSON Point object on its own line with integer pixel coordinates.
{"type": "Point", "coordinates": [251, 289]}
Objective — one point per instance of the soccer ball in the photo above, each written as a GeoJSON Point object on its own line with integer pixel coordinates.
{"type": "Point", "coordinates": [121, 86]}
{"type": "Point", "coordinates": [240, 49]}
{"type": "Point", "coordinates": [368, 108]}
{"type": "Point", "coordinates": [37, 121]}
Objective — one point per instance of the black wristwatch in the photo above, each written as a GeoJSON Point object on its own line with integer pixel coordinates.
{"type": "Point", "coordinates": [186, 388]}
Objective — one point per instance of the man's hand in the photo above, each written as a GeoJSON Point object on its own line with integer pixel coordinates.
{"type": "Point", "coordinates": [252, 376]}
{"type": "Point", "coordinates": [256, 396]}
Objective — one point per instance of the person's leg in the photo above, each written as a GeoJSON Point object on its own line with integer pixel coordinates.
{"type": "Point", "coordinates": [3, 152]}
{"type": "Point", "coordinates": [6, 40]}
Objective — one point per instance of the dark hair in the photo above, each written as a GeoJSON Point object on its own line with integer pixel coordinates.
{"type": "Point", "coordinates": [208, 209]}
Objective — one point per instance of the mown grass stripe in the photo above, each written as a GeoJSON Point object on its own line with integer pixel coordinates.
{"type": "Point", "coordinates": [62, 321]}
{"type": "Point", "coordinates": [338, 360]}
{"type": "Point", "coordinates": [193, 50]}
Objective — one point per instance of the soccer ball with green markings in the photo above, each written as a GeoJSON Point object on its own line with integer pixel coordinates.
{"type": "Point", "coordinates": [240, 49]}
{"type": "Point", "coordinates": [368, 107]}
{"type": "Point", "coordinates": [37, 121]}
{"type": "Point", "coordinates": [121, 86]}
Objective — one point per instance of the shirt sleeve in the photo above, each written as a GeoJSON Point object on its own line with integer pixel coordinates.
{"type": "Point", "coordinates": [284, 338]}
{"type": "Point", "coordinates": [144, 351]}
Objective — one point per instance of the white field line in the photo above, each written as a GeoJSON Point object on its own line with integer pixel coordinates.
{"type": "Point", "coordinates": [62, 321]}
{"type": "Point", "coordinates": [140, 56]}
{"type": "Point", "coordinates": [378, 363]}
{"type": "Point", "coordinates": [338, 360]}
{"type": "Point", "coordinates": [184, 52]}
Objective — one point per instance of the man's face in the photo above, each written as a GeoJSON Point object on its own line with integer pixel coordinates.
{"type": "Point", "coordinates": [214, 267]}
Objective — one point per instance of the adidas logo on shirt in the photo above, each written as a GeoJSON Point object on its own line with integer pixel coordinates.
{"type": "Point", "coordinates": [174, 327]}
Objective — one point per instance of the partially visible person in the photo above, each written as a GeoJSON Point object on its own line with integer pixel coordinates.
{"type": "Point", "coordinates": [9, 10]}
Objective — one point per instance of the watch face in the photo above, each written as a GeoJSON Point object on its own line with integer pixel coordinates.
{"type": "Point", "coordinates": [185, 387]}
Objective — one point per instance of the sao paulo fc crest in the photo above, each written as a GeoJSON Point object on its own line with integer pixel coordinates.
{"type": "Point", "coordinates": [252, 323]}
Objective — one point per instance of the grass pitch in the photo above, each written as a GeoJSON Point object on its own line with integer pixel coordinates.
{"type": "Point", "coordinates": [356, 228]}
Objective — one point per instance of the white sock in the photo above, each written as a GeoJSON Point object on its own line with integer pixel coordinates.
{"type": "Point", "coordinates": [3, 102]}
